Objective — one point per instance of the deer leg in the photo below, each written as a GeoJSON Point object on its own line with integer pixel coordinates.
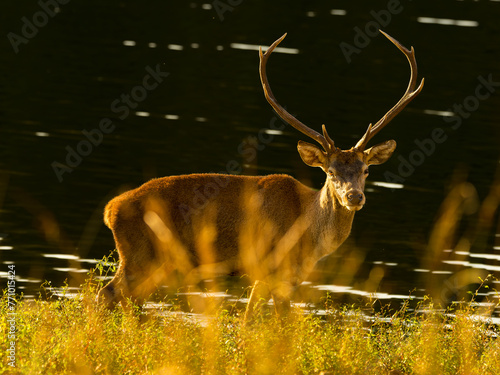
{"type": "Point", "coordinates": [137, 275]}
{"type": "Point", "coordinates": [124, 286]}
{"type": "Point", "coordinates": [258, 296]}
{"type": "Point", "coordinates": [281, 305]}
{"type": "Point", "coordinates": [114, 292]}
{"type": "Point", "coordinates": [282, 294]}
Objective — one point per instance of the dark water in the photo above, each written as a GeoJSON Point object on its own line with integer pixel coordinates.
{"type": "Point", "coordinates": [86, 65]}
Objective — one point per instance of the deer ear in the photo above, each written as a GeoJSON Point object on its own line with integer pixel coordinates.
{"type": "Point", "coordinates": [380, 153]}
{"type": "Point", "coordinates": [311, 154]}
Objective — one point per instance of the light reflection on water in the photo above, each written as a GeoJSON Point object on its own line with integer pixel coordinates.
{"type": "Point", "coordinates": [375, 295]}
{"type": "Point", "coordinates": [227, 299]}
{"type": "Point", "coordinates": [448, 22]}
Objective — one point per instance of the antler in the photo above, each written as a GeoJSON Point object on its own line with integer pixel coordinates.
{"type": "Point", "coordinates": [407, 97]}
{"type": "Point", "coordinates": [324, 140]}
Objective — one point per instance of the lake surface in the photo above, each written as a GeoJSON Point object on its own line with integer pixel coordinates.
{"type": "Point", "coordinates": [85, 66]}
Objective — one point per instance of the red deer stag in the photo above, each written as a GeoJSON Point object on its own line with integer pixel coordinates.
{"type": "Point", "coordinates": [272, 228]}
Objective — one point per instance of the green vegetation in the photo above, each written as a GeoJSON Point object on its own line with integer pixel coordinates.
{"type": "Point", "coordinates": [73, 336]}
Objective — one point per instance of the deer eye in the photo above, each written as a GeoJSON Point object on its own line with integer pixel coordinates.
{"type": "Point", "coordinates": [366, 172]}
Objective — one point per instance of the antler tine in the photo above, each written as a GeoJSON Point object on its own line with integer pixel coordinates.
{"type": "Point", "coordinates": [408, 96]}
{"type": "Point", "coordinates": [331, 144]}
{"type": "Point", "coordinates": [279, 109]}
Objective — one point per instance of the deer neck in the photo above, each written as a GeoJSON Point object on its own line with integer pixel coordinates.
{"type": "Point", "coordinates": [332, 221]}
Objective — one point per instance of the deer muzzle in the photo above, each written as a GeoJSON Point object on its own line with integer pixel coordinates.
{"type": "Point", "coordinates": [354, 200]}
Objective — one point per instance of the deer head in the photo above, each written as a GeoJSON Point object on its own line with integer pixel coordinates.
{"type": "Point", "coordinates": [346, 169]}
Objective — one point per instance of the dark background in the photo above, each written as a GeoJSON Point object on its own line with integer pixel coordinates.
{"type": "Point", "coordinates": [64, 79]}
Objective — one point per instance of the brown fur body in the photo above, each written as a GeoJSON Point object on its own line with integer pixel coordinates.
{"type": "Point", "coordinates": [232, 204]}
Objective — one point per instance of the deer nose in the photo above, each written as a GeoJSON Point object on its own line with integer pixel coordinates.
{"type": "Point", "coordinates": [355, 197]}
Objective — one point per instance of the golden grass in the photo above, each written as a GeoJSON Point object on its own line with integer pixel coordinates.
{"type": "Point", "coordinates": [74, 336]}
